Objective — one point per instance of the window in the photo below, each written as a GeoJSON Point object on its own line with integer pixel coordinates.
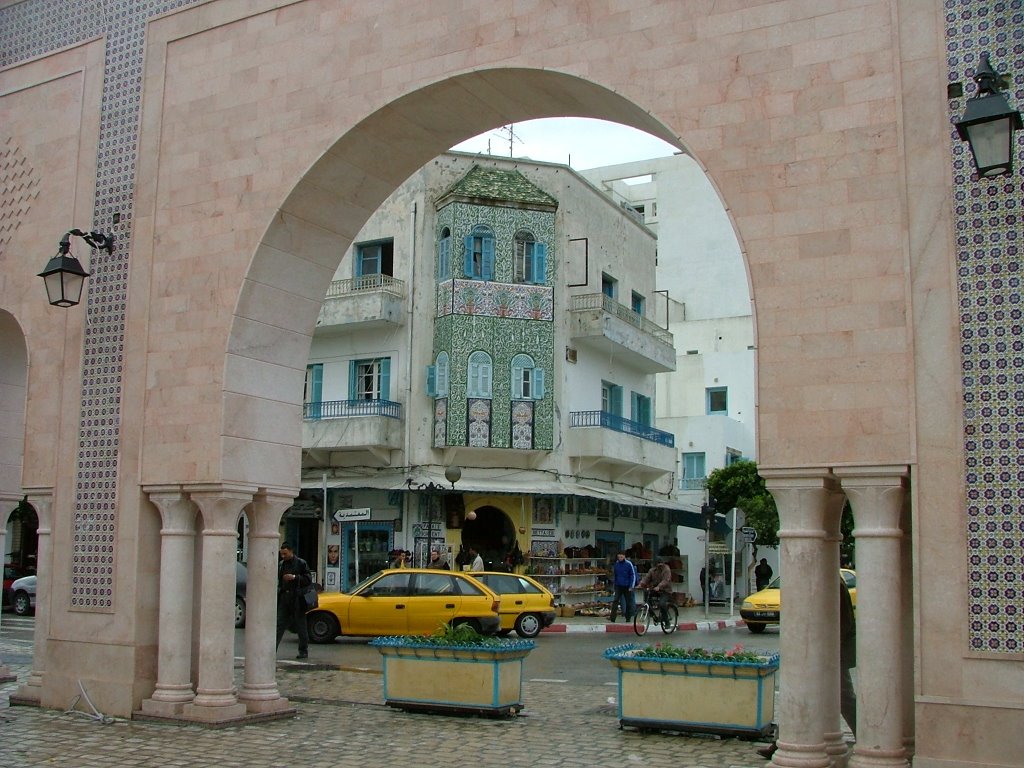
{"type": "Point", "coordinates": [479, 375]}
{"type": "Point", "coordinates": [392, 585]}
{"type": "Point", "coordinates": [694, 472]}
{"type": "Point", "coordinates": [717, 401]}
{"type": "Point", "coordinates": [611, 398]}
{"type": "Point", "coordinates": [640, 408]}
{"type": "Point", "coordinates": [639, 303]}
{"type": "Point", "coordinates": [375, 258]}
{"type": "Point", "coordinates": [609, 286]}
{"type": "Point", "coordinates": [313, 393]}
{"type": "Point", "coordinates": [480, 254]}
{"type": "Point", "coordinates": [444, 254]}
{"type": "Point", "coordinates": [437, 376]}
{"type": "Point", "coordinates": [732, 456]}
{"type": "Point", "coordinates": [527, 381]}
{"type": "Point", "coordinates": [369, 379]}
{"type": "Point", "coordinates": [530, 258]}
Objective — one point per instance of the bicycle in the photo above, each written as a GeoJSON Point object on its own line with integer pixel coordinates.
{"type": "Point", "coordinates": [669, 622]}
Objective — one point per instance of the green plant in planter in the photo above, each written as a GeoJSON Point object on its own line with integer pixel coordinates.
{"type": "Point", "coordinates": [735, 655]}
{"type": "Point", "coordinates": [458, 634]}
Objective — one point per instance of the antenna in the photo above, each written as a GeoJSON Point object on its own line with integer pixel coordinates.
{"type": "Point", "coordinates": [507, 131]}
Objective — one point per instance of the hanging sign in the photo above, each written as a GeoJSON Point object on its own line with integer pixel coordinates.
{"type": "Point", "coordinates": [749, 534]}
{"type": "Point", "coordinates": [352, 515]}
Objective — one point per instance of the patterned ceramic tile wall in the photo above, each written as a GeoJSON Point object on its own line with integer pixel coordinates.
{"type": "Point", "coordinates": [502, 328]}
{"type": "Point", "coordinates": [33, 28]}
{"type": "Point", "coordinates": [988, 215]}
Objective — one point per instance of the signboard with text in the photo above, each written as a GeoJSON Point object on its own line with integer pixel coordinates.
{"type": "Point", "coordinates": [352, 515]}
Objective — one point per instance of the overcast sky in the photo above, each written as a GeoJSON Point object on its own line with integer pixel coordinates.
{"type": "Point", "coordinates": [579, 142]}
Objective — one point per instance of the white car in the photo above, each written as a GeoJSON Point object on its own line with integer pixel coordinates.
{"type": "Point", "coordinates": [23, 595]}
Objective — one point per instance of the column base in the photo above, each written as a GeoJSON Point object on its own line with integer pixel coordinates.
{"type": "Point", "coordinates": [206, 714]}
{"type": "Point", "coordinates": [864, 757]}
{"type": "Point", "coordinates": [162, 708]}
{"type": "Point", "coordinates": [801, 756]}
{"type": "Point", "coordinates": [6, 676]}
{"type": "Point", "coordinates": [28, 695]}
{"type": "Point", "coordinates": [835, 748]}
{"type": "Point", "coordinates": [268, 706]}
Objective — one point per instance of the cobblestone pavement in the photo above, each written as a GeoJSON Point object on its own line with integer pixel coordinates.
{"type": "Point", "coordinates": [342, 722]}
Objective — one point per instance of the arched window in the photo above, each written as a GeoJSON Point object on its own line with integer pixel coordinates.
{"type": "Point", "coordinates": [527, 380]}
{"type": "Point", "coordinates": [480, 254]}
{"type": "Point", "coordinates": [444, 254]}
{"type": "Point", "coordinates": [480, 375]}
{"type": "Point", "coordinates": [529, 259]}
{"type": "Point", "coordinates": [438, 376]}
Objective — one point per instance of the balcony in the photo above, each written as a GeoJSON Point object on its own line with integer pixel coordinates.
{"type": "Point", "coordinates": [368, 301]}
{"type": "Point", "coordinates": [601, 323]}
{"type": "Point", "coordinates": [623, 449]}
{"type": "Point", "coordinates": [342, 433]}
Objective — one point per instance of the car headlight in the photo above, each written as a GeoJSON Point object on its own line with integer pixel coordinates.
{"type": "Point", "coordinates": [747, 604]}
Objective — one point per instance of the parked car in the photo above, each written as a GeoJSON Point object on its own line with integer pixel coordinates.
{"type": "Point", "coordinates": [527, 606]}
{"type": "Point", "coordinates": [765, 607]}
{"type": "Point", "coordinates": [23, 595]}
{"type": "Point", "coordinates": [405, 601]}
{"type": "Point", "coordinates": [11, 573]}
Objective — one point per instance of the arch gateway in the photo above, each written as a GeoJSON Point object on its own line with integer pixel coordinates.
{"type": "Point", "coordinates": [234, 148]}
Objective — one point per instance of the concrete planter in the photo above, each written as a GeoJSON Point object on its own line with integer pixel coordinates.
{"type": "Point", "coordinates": [453, 679]}
{"type": "Point", "coordinates": [719, 697]}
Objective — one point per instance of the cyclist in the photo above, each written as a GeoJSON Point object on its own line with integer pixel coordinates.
{"type": "Point", "coordinates": [658, 582]}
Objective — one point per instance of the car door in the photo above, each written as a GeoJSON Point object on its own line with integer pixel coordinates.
{"type": "Point", "coordinates": [436, 601]}
{"type": "Point", "coordinates": [381, 607]}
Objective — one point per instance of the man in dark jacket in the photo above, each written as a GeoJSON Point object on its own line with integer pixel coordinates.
{"type": "Point", "coordinates": [624, 579]}
{"type": "Point", "coordinates": [292, 579]}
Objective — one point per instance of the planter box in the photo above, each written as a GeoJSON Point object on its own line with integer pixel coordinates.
{"type": "Point", "coordinates": [453, 679]}
{"type": "Point", "coordinates": [719, 697]}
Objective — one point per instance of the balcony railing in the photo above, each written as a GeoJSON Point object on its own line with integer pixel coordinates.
{"type": "Point", "coordinates": [366, 284]}
{"type": "Point", "coordinates": [343, 409]}
{"type": "Point", "coordinates": [619, 424]}
{"type": "Point", "coordinates": [693, 483]}
{"type": "Point", "coordinates": [611, 306]}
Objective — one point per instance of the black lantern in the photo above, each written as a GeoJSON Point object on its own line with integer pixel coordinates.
{"type": "Point", "coordinates": [64, 275]}
{"type": "Point", "coordinates": [988, 124]}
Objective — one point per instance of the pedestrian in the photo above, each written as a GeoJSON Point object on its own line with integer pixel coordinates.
{"type": "Point", "coordinates": [476, 563]}
{"type": "Point", "coordinates": [763, 574]}
{"type": "Point", "coordinates": [847, 661]}
{"type": "Point", "coordinates": [437, 561]}
{"type": "Point", "coordinates": [292, 579]}
{"type": "Point", "coordinates": [624, 578]}
{"type": "Point", "coordinates": [659, 581]}
{"type": "Point", "coordinates": [703, 584]}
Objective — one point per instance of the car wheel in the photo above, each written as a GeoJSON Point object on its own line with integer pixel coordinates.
{"type": "Point", "coordinates": [323, 627]}
{"type": "Point", "coordinates": [757, 629]}
{"type": "Point", "coordinates": [22, 603]}
{"type": "Point", "coordinates": [239, 612]}
{"type": "Point", "coordinates": [528, 625]}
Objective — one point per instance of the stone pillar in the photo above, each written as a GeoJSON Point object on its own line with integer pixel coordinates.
{"type": "Point", "coordinates": [177, 568]}
{"type": "Point", "coordinates": [835, 744]}
{"type": "Point", "coordinates": [31, 692]}
{"type": "Point", "coordinates": [216, 699]}
{"type": "Point", "coordinates": [259, 691]}
{"type": "Point", "coordinates": [802, 496]}
{"type": "Point", "coordinates": [876, 495]}
{"type": "Point", "coordinates": [9, 502]}
{"type": "Point", "coordinates": [907, 643]}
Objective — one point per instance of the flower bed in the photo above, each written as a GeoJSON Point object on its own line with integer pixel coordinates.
{"type": "Point", "coordinates": [725, 692]}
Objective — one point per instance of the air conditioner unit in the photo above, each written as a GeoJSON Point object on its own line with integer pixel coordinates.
{"type": "Point", "coordinates": [570, 354]}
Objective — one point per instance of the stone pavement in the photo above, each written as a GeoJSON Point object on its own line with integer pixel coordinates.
{"type": "Point", "coordinates": [343, 723]}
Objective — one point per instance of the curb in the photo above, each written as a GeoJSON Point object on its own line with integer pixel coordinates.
{"type": "Point", "coordinates": [684, 626]}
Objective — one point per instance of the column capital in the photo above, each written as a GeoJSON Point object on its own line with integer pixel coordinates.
{"type": "Point", "coordinates": [177, 513]}
{"type": "Point", "coordinates": [798, 478]}
{"type": "Point", "coordinates": [41, 499]}
{"type": "Point", "coordinates": [266, 509]}
{"type": "Point", "coordinates": [873, 475]}
{"type": "Point", "coordinates": [221, 504]}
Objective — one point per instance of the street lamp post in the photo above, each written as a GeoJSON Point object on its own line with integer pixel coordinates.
{"type": "Point", "coordinates": [988, 124]}
{"type": "Point", "coordinates": [64, 275]}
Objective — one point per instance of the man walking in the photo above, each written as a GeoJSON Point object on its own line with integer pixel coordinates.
{"type": "Point", "coordinates": [623, 579]}
{"type": "Point", "coordinates": [292, 579]}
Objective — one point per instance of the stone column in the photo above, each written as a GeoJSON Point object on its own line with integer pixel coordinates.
{"type": "Point", "coordinates": [216, 699]}
{"type": "Point", "coordinates": [31, 692]}
{"type": "Point", "coordinates": [802, 496]}
{"type": "Point", "coordinates": [876, 495]}
{"type": "Point", "coordinates": [259, 691]}
{"type": "Point", "coordinates": [177, 568]}
{"type": "Point", "coordinates": [9, 502]}
{"type": "Point", "coordinates": [907, 643]}
{"type": "Point", "coordinates": [835, 744]}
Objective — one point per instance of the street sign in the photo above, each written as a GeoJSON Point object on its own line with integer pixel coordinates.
{"type": "Point", "coordinates": [718, 548]}
{"type": "Point", "coordinates": [350, 515]}
{"type": "Point", "coordinates": [749, 534]}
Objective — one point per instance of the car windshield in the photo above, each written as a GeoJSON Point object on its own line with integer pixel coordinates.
{"type": "Point", "coordinates": [776, 583]}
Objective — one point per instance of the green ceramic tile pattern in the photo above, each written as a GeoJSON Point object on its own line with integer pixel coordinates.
{"type": "Point", "coordinates": [504, 324]}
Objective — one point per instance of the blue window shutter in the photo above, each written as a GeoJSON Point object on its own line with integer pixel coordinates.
{"type": "Point", "coordinates": [318, 383]}
{"type": "Point", "coordinates": [540, 258]}
{"type": "Point", "coordinates": [485, 380]}
{"type": "Point", "coordinates": [431, 380]}
{"type": "Point", "coordinates": [517, 382]}
{"type": "Point", "coordinates": [443, 257]}
{"type": "Point", "coordinates": [385, 378]}
{"type": "Point", "coordinates": [538, 383]}
{"type": "Point", "coordinates": [468, 261]}
{"type": "Point", "coordinates": [351, 379]}
{"type": "Point", "coordinates": [634, 406]}
{"type": "Point", "coordinates": [616, 400]}
{"type": "Point", "coordinates": [488, 258]}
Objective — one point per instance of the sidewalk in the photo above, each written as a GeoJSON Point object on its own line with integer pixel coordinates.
{"type": "Point", "coordinates": [690, 619]}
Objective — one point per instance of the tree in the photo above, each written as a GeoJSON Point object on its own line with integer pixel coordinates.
{"type": "Point", "coordinates": [739, 485]}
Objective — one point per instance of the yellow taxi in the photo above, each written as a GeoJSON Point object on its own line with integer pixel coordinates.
{"type": "Point", "coordinates": [405, 601]}
{"type": "Point", "coordinates": [763, 608]}
{"type": "Point", "coordinates": [527, 606]}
